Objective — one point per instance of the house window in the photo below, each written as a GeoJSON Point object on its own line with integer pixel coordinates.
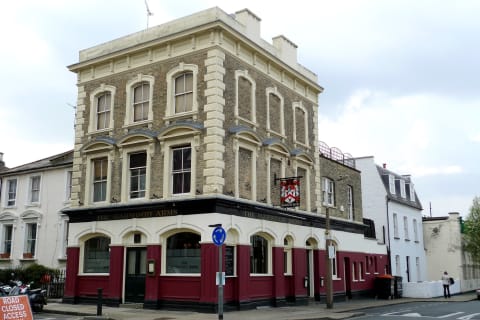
{"type": "Point", "coordinates": [412, 192]}
{"type": "Point", "coordinates": [30, 238]}
{"type": "Point", "coordinates": [417, 263]}
{"type": "Point", "coordinates": [395, 225]}
{"type": "Point", "coordinates": [415, 230]}
{"type": "Point", "coordinates": [184, 92]}
{"type": "Point", "coordinates": [183, 253]}
{"type": "Point", "coordinates": [391, 183]}
{"type": "Point", "coordinates": [397, 265]}
{"type": "Point", "coordinates": [138, 170]}
{"type": "Point", "coordinates": [7, 239]}
{"type": "Point", "coordinates": [230, 260]}
{"type": "Point", "coordinates": [360, 271]}
{"type": "Point", "coordinates": [259, 255]}
{"type": "Point", "coordinates": [245, 97]}
{"type": "Point", "coordinates": [103, 110]}
{"type": "Point", "coordinates": [34, 189]}
{"type": "Point", "coordinates": [402, 189]}
{"type": "Point", "coordinates": [97, 255]}
{"type": "Point", "coordinates": [354, 271]}
{"type": "Point", "coordinates": [287, 255]}
{"type": "Point", "coordinates": [181, 169]}
{"type": "Point", "coordinates": [100, 175]}
{"type": "Point", "coordinates": [275, 113]}
{"type": "Point", "coordinates": [333, 261]}
{"type": "Point", "coordinates": [300, 123]}
{"type": "Point", "coordinates": [351, 215]}
{"type": "Point", "coordinates": [328, 190]}
{"type": "Point", "coordinates": [68, 192]}
{"type": "Point", "coordinates": [141, 102]}
{"type": "Point", "coordinates": [405, 228]}
{"type": "Point", "coordinates": [12, 192]}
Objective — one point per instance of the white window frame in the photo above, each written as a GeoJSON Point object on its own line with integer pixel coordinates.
{"type": "Point", "coordinates": [11, 196]}
{"type": "Point", "coordinates": [252, 148]}
{"type": "Point", "coordinates": [412, 193]}
{"type": "Point", "coordinates": [68, 185]}
{"type": "Point", "coordinates": [93, 107]}
{"type": "Point", "coordinates": [131, 85]}
{"type": "Point", "coordinates": [395, 226]}
{"type": "Point", "coordinates": [350, 203]}
{"type": "Point", "coordinates": [28, 239]}
{"type": "Point", "coordinates": [305, 183]}
{"type": "Point", "coordinates": [271, 130]}
{"type": "Point", "coordinates": [354, 272]}
{"type": "Point", "coordinates": [402, 189]}
{"type": "Point", "coordinates": [182, 170]}
{"type": "Point", "coordinates": [360, 271]}
{"type": "Point", "coordinates": [4, 240]}
{"type": "Point", "coordinates": [171, 76]}
{"type": "Point", "coordinates": [287, 255]}
{"type": "Point", "coordinates": [398, 265]}
{"type": "Point", "coordinates": [300, 106]}
{"type": "Point", "coordinates": [90, 178]}
{"type": "Point", "coordinates": [244, 74]}
{"type": "Point", "coordinates": [34, 189]}
{"type": "Point", "coordinates": [269, 253]}
{"type": "Point", "coordinates": [63, 230]}
{"type": "Point", "coordinates": [405, 228]}
{"type": "Point", "coordinates": [415, 230]}
{"type": "Point", "coordinates": [272, 155]}
{"type": "Point", "coordinates": [328, 192]}
{"type": "Point", "coordinates": [126, 172]}
{"type": "Point", "coordinates": [334, 261]}
{"type": "Point", "coordinates": [391, 183]}
{"type": "Point", "coordinates": [167, 146]}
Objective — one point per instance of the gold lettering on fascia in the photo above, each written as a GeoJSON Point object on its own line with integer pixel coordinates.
{"type": "Point", "coordinates": [138, 215]}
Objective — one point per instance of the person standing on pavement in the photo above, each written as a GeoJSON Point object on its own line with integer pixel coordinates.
{"type": "Point", "coordinates": [446, 285]}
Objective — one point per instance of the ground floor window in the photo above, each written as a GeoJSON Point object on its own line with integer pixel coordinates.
{"type": "Point", "coordinates": [183, 253]}
{"type": "Point", "coordinates": [97, 255]}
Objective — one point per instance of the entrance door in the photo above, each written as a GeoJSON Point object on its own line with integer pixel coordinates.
{"type": "Point", "coordinates": [135, 274]}
{"type": "Point", "coordinates": [348, 278]}
{"type": "Point", "coordinates": [408, 269]}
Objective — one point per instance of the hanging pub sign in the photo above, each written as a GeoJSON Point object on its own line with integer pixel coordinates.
{"type": "Point", "coordinates": [290, 192]}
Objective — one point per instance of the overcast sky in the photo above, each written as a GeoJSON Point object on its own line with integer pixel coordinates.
{"type": "Point", "coordinates": [401, 78]}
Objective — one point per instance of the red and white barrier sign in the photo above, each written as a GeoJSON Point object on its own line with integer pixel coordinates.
{"type": "Point", "coordinates": [15, 308]}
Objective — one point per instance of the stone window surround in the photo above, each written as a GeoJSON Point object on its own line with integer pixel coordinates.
{"type": "Point", "coordinates": [88, 196]}
{"type": "Point", "coordinates": [125, 156]}
{"type": "Point", "coordinates": [274, 91]}
{"type": "Point", "coordinates": [171, 75]}
{"type": "Point", "coordinates": [299, 105]}
{"type": "Point", "coordinates": [92, 127]}
{"type": "Point", "coordinates": [131, 84]}
{"type": "Point", "coordinates": [244, 74]}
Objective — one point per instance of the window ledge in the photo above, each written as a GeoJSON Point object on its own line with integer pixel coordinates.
{"type": "Point", "coordinates": [179, 116]}
{"type": "Point", "coordinates": [180, 274]}
{"type": "Point", "coordinates": [32, 205]}
{"type": "Point", "coordinates": [278, 134]}
{"type": "Point", "coordinates": [261, 275]}
{"type": "Point", "coordinates": [301, 144]}
{"type": "Point", "coordinates": [138, 124]}
{"type": "Point", "coordinates": [250, 122]}
{"type": "Point", "coordinates": [407, 240]}
{"type": "Point", "coordinates": [108, 130]}
{"type": "Point", "coordinates": [94, 274]}
{"type": "Point", "coordinates": [336, 279]}
{"type": "Point", "coordinates": [28, 259]}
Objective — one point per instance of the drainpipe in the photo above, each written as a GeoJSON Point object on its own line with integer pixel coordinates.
{"type": "Point", "coordinates": [389, 266]}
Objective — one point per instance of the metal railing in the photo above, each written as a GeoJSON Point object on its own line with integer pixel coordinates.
{"type": "Point", "coordinates": [336, 154]}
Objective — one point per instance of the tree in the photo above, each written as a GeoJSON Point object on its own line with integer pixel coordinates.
{"type": "Point", "coordinates": [472, 230]}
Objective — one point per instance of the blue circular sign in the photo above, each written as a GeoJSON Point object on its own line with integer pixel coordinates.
{"type": "Point", "coordinates": [219, 235]}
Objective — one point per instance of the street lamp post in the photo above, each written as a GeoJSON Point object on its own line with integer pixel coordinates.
{"type": "Point", "coordinates": [218, 239]}
{"type": "Point", "coordinates": [328, 261]}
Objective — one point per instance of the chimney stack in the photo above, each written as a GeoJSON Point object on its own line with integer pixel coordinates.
{"type": "Point", "coordinates": [2, 163]}
{"type": "Point", "coordinates": [384, 166]}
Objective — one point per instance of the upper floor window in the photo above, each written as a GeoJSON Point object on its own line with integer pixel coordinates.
{"type": "Point", "coordinates": [245, 102]}
{"type": "Point", "coordinates": [182, 91]}
{"type": "Point", "coordinates": [397, 265]}
{"type": "Point", "coordinates": [300, 123]}
{"type": "Point", "coordinates": [101, 108]}
{"type": "Point", "coordinates": [34, 189]}
{"type": "Point", "coordinates": [97, 255]}
{"type": "Point", "coordinates": [275, 113]}
{"type": "Point", "coordinates": [328, 191]}
{"type": "Point", "coordinates": [405, 227]}
{"type": "Point", "coordinates": [100, 176]}
{"type": "Point", "coordinates": [68, 191]}
{"type": "Point", "coordinates": [138, 171]}
{"type": "Point", "coordinates": [412, 192]}
{"type": "Point", "coordinates": [334, 261]}
{"type": "Point", "coordinates": [402, 189]}
{"type": "Point", "coordinates": [415, 230]}
{"type": "Point", "coordinates": [395, 225]}
{"type": "Point", "coordinates": [181, 169]}
{"type": "Point", "coordinates": [139, 99]}
{"type": "Point", "coordinates": [391, 183]}
{"type": "Point", "coordinates": [287, 255]}
{"type": "Point", "coordinates": [11, 192]}
{"type": "Point", "coordinates": [351, 215]}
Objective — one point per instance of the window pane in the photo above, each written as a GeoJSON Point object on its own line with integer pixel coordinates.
{"type": "Point", "coordinates": [138, 163]}
{"type": "Point", "coordinates": [183, 253]}
{"type": "Point", "coordinates": [188, 102]}
{"type": "Point", "coordinates": [258, 254]}
{"type": "Point", "coordinates": [97, 255]}
{"type": "Point", "coordinates": [179, 84]}
{"type": "Point", "coordinates": [188, 82]}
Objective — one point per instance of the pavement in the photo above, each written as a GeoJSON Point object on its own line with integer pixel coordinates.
{"type": "Point", "coordinates": [312, 311]}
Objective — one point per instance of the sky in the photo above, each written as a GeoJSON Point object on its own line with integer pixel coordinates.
{"type": "Point", "coordinates": [400, 78]}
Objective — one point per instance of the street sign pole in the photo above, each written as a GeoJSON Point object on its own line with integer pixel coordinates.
{"type": "Point", "coordinates": [218, 236]}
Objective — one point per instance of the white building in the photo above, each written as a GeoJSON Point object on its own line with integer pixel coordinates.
{"type": "Point", "coordinates": [390, 200]}
{"type": "Point", "coordinates": [444, 251]}
{"type": "Point", "coordinates": [32, 227]}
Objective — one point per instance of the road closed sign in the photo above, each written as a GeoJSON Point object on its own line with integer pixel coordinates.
{"type": "Point", "coordinates": [15, 308]}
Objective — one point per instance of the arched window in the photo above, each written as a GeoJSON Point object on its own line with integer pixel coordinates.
{"type": "Point", "coordinates": [183, 253]}
{"type": "Point", "coordinates": [287, 255]}
{"type": "Point", "coordinates": [97, 255]}
{"type": "Point", "coordinates": [259, 254]}
{"type": "Point", "coordinates": [184, 92]}
{"type": "Point", "coordinates": [141, 99]}
{"type": "Point", "coordinates": [103, 108]}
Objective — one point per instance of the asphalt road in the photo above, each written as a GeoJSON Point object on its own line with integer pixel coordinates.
{"type": "Point", "coordinates": [52, 316]}
{"type": "Point", "coordinates": [429, 310]}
